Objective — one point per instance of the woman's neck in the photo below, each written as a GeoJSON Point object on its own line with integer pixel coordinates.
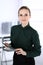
{"type": "Point", "coordinates": [24, 25]}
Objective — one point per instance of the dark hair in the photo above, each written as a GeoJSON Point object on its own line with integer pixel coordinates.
{"type": "Point", "coordinates": [24, 7]}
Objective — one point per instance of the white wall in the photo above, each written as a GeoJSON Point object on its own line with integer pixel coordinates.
{"type": "Point", "coordinates": [36, 9]}
{"type": "Point", "coordinates": [8, 9]}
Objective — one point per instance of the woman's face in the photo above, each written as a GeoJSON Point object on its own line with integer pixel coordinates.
{"type": "Point", "coordinates": [24, 16]}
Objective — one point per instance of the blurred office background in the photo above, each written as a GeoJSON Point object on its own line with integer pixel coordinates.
{"type": "Point", "coordinates": [9, 17]}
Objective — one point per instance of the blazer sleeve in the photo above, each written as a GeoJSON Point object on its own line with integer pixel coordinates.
{"type": "Point", "coordinates": [36, 48]}
{"type": "Point", "coordinates": [12, 38]}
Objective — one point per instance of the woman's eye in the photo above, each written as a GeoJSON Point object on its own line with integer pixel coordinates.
{"type": "Point", "coordinates": [20, 14]}
{"type": "Point", "coordinates": [23, 15]}
{"type": "Point", "coordinates": [26, 14]}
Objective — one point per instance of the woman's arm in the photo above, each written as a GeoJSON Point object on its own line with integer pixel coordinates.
{"type": "Point", "coordinates": [36, 48]}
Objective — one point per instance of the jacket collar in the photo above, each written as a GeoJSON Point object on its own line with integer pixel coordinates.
{"type": "Point", "coordinates": [26, 27]}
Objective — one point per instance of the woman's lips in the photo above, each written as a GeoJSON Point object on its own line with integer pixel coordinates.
{"type": "Point", "coordinates": [23, 20]}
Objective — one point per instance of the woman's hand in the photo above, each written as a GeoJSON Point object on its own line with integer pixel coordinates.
{"type": "Point", "coordinates": [6, 44]}
{"type": "Point", "coordinates": [20, 51]}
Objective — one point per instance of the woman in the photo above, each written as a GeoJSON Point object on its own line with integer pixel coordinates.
{"type": "Point", "coordinates": [24, 39]}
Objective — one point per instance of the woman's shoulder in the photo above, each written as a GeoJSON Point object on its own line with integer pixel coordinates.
{"type": "Point", "coordinates": [15, 26]}
{"type": "Point", "coordinates": [34, 31]}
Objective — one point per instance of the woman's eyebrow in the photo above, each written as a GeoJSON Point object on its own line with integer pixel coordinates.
{"type": "Point", "coordinates": [24, 14]}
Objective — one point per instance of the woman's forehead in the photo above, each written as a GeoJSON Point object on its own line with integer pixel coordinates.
{"type": "Point", "coordinates": [23, 11]}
